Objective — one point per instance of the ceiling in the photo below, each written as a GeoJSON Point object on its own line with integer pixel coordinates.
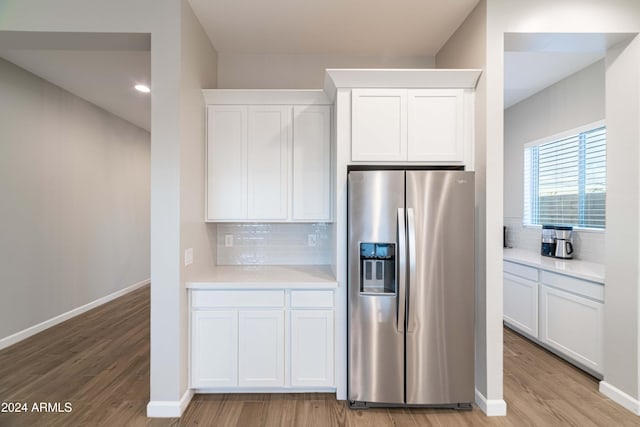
{"type": "Point", "coordinates": [102, 68]}
{"type": "Point", "coordinates": [533, 62]}
{"type": "Point", "coordinates": [340, 27]}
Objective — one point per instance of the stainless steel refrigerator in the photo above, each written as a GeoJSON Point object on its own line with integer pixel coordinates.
{"type": "Point", "coordinates": [411, 288]}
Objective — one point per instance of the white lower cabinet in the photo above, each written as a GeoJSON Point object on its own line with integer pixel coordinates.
{"type": "Point", "coordinates": [572, 325]}
{"type": "Point", "coordinates": [276, 340]}
{"type": "Point", "coordinates": [563, 313]}
{"type": "Point", "coordinates": [312, 348]}
{"type": "Point", "coordinates": [520, 304]}
{"type": "Point", "coordinates": [261, 348]}
{"type": "Point", "coordinates": [214, 348]}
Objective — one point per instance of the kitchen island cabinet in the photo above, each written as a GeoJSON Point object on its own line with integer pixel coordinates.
{"type": "Point", "coordinates": [273, 335]}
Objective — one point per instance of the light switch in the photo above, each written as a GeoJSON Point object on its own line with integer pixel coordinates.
{"type": "Point", "coordinates": [228, 240]}
{"type": "Point", "coordinates": [188, 256]}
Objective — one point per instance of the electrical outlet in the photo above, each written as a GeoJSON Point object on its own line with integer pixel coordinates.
{"type": "Point", "coordinates": [188, 256]}
{"type": "Point", "coordinates": [228, 240]}
{"type": "Point", "coordinates": [311, 240]}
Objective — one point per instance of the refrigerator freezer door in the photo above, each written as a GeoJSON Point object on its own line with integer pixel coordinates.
{"type": "Point", "coordinates": [376, 346]}
{"type": "Point", "coordinates": [440, 291]}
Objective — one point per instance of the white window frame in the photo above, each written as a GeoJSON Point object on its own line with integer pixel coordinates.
{"type": "Point", "coordinates": [558, 136]}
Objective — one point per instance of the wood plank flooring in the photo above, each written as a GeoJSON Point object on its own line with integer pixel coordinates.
{"type": "Point", "coordinates": [99, 363]}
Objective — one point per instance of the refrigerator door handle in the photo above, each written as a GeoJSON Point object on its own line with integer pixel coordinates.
{"type": "Point", "coordinates": [411, 236]}
{"type": "Point", "coordinates": [402, 268]}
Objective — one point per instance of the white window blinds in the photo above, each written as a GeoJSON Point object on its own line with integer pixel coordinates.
{"type": "Point", "coordinates": [565, 181]}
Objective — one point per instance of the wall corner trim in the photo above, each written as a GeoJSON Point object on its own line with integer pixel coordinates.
{"type": "Point", "coordinates": [32, 330]}
{"type": "Point", "coordinates": [169, 408]}
{"type": "Point", "coordinates": [491, 407]}
{"type": "Point", "coordinates": [620, 397]}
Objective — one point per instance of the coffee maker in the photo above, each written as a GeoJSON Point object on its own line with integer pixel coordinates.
{"type": "Point", "coordinates": [548, 245]}
{"type": "Point", "coordinates": [564, 244]}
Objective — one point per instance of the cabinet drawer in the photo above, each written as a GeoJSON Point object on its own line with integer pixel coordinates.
{"type": "Point", "coordinates": [312, 299]}
{"type": "Point", "coordinates": [530, 273]}
{"type": "Point", "coordinates": [263, 299]}
{"type": "Point", "coordinates": [571, 284]}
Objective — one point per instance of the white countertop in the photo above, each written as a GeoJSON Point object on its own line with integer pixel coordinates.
{"type": "Point", "coordinates": [571, 267]}
{"type": "Point", "coordinates": [265, 277]}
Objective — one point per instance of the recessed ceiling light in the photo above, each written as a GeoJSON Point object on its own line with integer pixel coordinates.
{"type": "Point", "coordinates": [143, 88]}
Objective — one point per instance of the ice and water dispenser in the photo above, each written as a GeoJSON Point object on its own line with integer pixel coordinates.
{"type": "Point", "coordinates": [378, 268]}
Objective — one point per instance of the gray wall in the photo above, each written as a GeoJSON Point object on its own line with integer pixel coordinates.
{"type": "Point", "coordinates": [74, 217]}
{"type": "Point", "coordinates": [198, 70]}
{"type": "Point", "coordinates": [572, 102]}
{"type": "Point", "coordinates": [467, 49]}
{"type": "Point", "coordinates": [622, 289]}
{"type": "Point", "coordinates": [246, 71]}
{"type": "Point", "coordinates": [188, 63]}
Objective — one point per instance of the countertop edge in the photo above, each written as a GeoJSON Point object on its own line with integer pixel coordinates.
{"type": "Point", "coordinates": [520, 257]}
{"type": "Point", "coordinates": [260, 285]}
{"type": "Point", "coordinates": [264, 277]}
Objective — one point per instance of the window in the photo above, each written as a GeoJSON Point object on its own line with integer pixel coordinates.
{"type": "Point", "coordinates": [565, 180]}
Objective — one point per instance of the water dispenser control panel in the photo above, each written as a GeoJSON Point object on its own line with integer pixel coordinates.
{"type": "Point", "coordinates": [378, 268]}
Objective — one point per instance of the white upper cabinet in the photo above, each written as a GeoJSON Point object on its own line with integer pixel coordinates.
{"type": "Point", "coordinates": [227, 169]}
{"type": "Point", "coordinates": [435, 128]}
{"type": "Point", "coordinates": [399, 116]}
{"type": "Point", "coordinates": [268, 162]}
{"type": "Point", "coordinates": [379, 125]}
{"type": "Point", "coordinates": [415, 125]}
{"type": "Point", "coordinates": [311, 163]}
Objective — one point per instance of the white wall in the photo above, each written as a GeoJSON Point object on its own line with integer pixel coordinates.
{"type": "Point", "coordinates": [467, 49]}
{"type": "Point", "coordinates": [612, 16]}
{"type": "Point", "coordinates": [249, 71]}
{"type": "Point", "coordinates": [622, 288]}
{"type": "Point", "coordinates": [74, 217]}
{"type": "Point", "coordinates": [570, 103]}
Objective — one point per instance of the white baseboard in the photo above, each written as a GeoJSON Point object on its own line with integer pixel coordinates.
{"type": "Point", "coordinates": [26, 333]}
{"type": "Point", "coordinates": [491, 407]}
{"type": "Point", "coordinates": [169, 408]}
{"type": "Point", "coordinates": [620, 397]}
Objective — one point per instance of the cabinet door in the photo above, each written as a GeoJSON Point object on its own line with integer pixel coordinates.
{"type": "Point", "coordinates": [311, 163]}
{"type": "Point", "coordinates": [226, 166]}
{"type": "Point", "coordinates": [312, 348]}
{"type": "Point", "coordinates": [379, 124]}
{"type": "Point", "coordinates": [214, 349]}
{"type": "Point", "coordinates": [572, 325]}
{"type": "Point", "coordinates": [268, 162]}
{"type": "Point", "coordinates": [261, 348]}
{"type": "Point", "coordinates": [435, 125]}
{"type": "Point", "coordinates": [520, 304]}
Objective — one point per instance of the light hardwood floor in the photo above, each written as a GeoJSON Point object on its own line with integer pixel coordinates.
{"type": "Point", "coordinates": [99, 362]}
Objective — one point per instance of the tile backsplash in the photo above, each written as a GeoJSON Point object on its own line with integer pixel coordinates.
{"type": "Point", "coordinates": [588, 245]}
{"type": "Point", "coordinates": [274, 244]}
